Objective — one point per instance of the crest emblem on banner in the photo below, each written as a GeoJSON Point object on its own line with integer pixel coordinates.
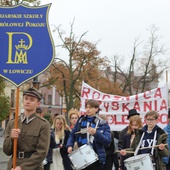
{"type": "Point", "coordinates": [26, 44]}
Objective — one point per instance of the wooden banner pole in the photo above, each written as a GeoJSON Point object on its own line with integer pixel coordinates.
{"type": "Point", "coordinates": [15, 127]}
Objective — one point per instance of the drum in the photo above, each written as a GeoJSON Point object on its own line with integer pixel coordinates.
{"type": "Point", "coordinates": [139, 162]}
{"type": "Point", "coordinates": [83, 157]}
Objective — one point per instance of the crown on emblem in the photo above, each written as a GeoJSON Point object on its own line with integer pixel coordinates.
{"type": "Point", "coordinates": [21, 46]}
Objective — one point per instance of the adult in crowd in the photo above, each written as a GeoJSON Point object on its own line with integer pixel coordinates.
{"type": "Point", "coordinates": [150, 140]}
{"type": "Point", "coordinates": [166, 160]}
{"type": "Point", "coordinates": [73, 116]}
{"type": "Point", "coordinates": [134, 124]}
{"type": "Point", "coordinates": [33, 135]}
{"type": "Point", "coordinates": [91, 129]}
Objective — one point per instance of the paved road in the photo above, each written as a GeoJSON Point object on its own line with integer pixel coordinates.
{"type": "Point", "coordinates": [3, 158]}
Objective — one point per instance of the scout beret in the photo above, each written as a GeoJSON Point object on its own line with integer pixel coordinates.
{"type": "Point", "coordinates": [33, 92]}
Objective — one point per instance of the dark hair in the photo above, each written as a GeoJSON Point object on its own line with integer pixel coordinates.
{"type": "Point", "coordinates": [38, 110]}
{"type": "Point", "coordinates": [56, 114]}
{"type": "Point", "coordinates": [92, 103]}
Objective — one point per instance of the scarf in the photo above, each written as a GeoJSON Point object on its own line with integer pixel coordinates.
{"type": "Point", "coordinates": [86, 122]}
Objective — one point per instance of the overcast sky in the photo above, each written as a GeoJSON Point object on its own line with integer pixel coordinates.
{"type": "Point", "coordinates": [114, 23]}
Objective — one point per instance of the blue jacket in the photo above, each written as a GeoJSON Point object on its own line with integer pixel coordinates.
{"type": "Point", "coordinates": [102, 138]}
{"type": "Point", "coordinates": [167, 130]}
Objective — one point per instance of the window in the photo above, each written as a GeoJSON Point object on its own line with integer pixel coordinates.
{"type": "Point", "coordinates": [49, 99]}
{"type": "Point", "coordinates": [12, 98]}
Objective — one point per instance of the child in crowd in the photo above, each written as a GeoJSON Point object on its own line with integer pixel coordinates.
{"type": "Point", "coordinates": [150, 140]}
{"type": "Point", "coordinates": [92, 130]}
{"type": "Point", "coordinates": [73, 116]}
{"type": "Point", "coordinates": [61, 133]}
{"type": "Point", "coordinates": [134, 124]}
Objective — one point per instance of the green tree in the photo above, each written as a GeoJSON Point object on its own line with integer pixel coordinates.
{"type": "Point", "coordinates": [4, 102]}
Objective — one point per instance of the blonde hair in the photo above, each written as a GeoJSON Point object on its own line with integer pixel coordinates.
{"type": "Point", "coordinates": [64, 126]}
{"type": "Point", "coordinates": [133, 119]}
{"type": "Point", "coordinates": [72, 112]}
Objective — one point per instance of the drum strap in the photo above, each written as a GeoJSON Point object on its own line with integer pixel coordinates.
{"type": "Point", "coordinates": [90, 138]}
{"type": "Point", "coordinates": [88, 135]}
{"type": "Point", "coordinates": [154, 142]}
{"type": "Point", "coordinates": [137, 148]}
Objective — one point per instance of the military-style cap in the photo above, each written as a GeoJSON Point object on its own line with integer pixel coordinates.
{"type": "Point", "coordinates": [33, 92]}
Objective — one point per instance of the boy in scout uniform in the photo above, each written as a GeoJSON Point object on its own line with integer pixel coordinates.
{"type": "Point", "coordinates": [33, 135]}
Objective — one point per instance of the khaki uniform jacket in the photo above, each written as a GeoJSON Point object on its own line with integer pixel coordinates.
{"type": "Point", "coordinates": [34, 138]}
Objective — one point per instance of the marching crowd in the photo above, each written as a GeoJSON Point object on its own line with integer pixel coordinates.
{"type": "Point", "coordinates": [87, 143]}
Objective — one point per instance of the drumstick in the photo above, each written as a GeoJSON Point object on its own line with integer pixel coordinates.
{"type": "Point", "coordinates": [127, 151]}
{"type": "Point", "coordinates": [151, 147]}
{"type": "Point", "coordinates": [83, 131]}
{"type": "Point", "coordinates": [79, 132]}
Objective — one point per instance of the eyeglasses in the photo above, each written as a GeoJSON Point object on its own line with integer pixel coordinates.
{"type": "Point", "coordinates": [150, 120]}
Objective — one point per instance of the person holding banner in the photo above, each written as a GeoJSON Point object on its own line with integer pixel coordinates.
{"type": "Point", "coordinates": [33, 135]}
{"type": "Point", "coordinates": [150, 140]}
{"type": "Point", "coordinates": [91, 130]}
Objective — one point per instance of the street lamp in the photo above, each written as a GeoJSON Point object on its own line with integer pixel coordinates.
{"type": "Point", "coordinates": [36, 83]}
